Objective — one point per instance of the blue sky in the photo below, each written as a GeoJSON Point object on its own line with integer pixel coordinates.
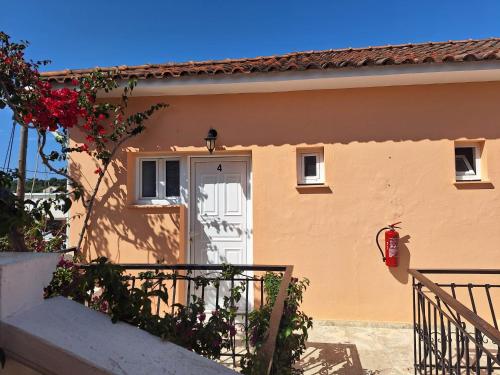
{"type": "Point", "coordinates": [81, 34]}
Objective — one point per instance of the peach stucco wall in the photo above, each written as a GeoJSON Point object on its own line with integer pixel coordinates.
{"type": "Point", "coordinates": [388, 157]}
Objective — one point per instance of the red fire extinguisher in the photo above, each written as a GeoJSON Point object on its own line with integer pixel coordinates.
{"type": "Point", "coordinates": [390, 256]}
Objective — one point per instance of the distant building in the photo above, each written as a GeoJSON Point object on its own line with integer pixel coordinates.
{"type": "Point", "coordinates": [49, 189]}
{"type": "Point", "coordinates": [48, 193]}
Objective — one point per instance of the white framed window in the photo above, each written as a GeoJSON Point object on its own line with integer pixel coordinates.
{"type": "Point", "coordinates": [148, 176]}
{"type": "Point", "coordinates": [159, 180]}
{"type": "Point", "coordinates": [468, 161]}
{"type": "Point", "coordinates": [310, 167]}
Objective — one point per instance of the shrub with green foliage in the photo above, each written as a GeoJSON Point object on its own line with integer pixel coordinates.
{"type": "Point", "coordinates": [293, 330]}
{"type": "Point", "coordinates": [189, 325]}
{"type": "Point", "coordinates": [28, 219]}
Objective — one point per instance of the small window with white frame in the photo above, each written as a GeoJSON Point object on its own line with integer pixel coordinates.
{"type": "Point", "coordinates": [468, 161]}
{"type": "Point", "coordinates": [310, 167]}
{"type": "Point", "coordinates": [148, 176]}
{"type": "Point", "coordinates": [159, 180]}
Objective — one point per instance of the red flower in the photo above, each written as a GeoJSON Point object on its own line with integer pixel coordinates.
{"type": "Point", "coordinates": [83, 147]}
{"type": "Point", "coordinates": [28, 118]}
{"type": "Point", "coordinates": [232, 331]}
{"type": "Point", "coordinates": [104, 307]}
{"type": "Point", "coordinates": [55, 107]}
{"type": "Point", "coordinates": [65, 263]}
{"type": "Point", "coordinates": [89, 138]}
{"type": "Point", "coordinates": [101, 117]}
{"type": "Point", "coordinates": [75, 82]}
{"type": "Point", "coordinates": [98, 171]}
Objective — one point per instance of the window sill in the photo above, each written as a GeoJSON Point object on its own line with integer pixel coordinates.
{"type": "Point", "coordinates": [473, 185]}
{"type": "Point", "coordinates": [313, 188]}
{"type": "Point", "coordinates": [154, 206]}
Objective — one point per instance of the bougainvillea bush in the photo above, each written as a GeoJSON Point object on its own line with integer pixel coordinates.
{"type": "Point", "coordinates": [105, 287]}
{"type": "Point", "coordinates": [37, 105]}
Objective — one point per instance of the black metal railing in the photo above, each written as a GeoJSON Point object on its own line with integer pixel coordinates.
{"type": "Point", "coordinates": [183, 281]}
{"type": "Point", "coordinates": [72, 249]}
{"type": "Point", "coordinates": [455, 323]}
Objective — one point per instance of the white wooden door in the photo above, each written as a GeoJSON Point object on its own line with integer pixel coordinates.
{"type": "Point", "coordinates": [219, 230]}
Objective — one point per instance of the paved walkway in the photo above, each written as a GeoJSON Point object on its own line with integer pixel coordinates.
{"type": "Point", "coordinates": [358, 349]}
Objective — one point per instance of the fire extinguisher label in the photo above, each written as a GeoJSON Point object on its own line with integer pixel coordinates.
{"type": "Point", "coordinates": [393, 247]}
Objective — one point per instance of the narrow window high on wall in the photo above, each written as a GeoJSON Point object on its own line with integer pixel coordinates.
{"type": "Point", "coordinates": [310, 167]}
{"type": "Point", "coordinates": [468, 161]}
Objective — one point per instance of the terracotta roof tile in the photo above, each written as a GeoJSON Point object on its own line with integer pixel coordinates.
{"type": "Point", "coordinates": [421, 53]}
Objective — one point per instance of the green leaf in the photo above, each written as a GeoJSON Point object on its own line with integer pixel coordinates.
{"type": "Point", "coordinates": [67, 204]}
{"type": "Point", "coordinates": [53, 155]}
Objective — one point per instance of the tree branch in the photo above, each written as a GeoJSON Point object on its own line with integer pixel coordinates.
{"type": "Point", "coordinates": [11, 105]}
{"type": "Point", "coordinates": [42, 139]}
{"type": "Point", "coordinates": [91, 201]}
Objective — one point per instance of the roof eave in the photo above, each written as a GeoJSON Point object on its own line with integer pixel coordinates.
{"type": "Point", "coordinates": [349, 77]}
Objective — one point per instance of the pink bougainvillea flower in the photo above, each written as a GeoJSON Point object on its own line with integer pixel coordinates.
{"type": "Point", "coordinates": [91, 98]}
{"type": "Point", "coordinates": [65, 263]}
{"type": "Point", "coordinates": [101, 130]}
{"type": "Point", "coordinates": [104, 307]}
{"type": "Point", "coordinates": [83, 147]}
{"type": "Point", "coordinates": [28, 118]}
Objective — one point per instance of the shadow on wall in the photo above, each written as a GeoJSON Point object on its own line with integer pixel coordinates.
{"type": "Point", "coordinates": [409, 113]}
{"type": "Point", "coordinates": [400, 272]}
{"type": "Point", "coordinates": [146, 235]}
{"type": "Point", "coordinates": [324, 359]}
{"type": "Point", "coordinates": [149, 234]}
{"type": "Point", "coordinates": [328, 116]}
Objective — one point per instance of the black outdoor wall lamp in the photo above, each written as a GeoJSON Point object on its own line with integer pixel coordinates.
{"type": "Point", "coordinates": [210, 139]}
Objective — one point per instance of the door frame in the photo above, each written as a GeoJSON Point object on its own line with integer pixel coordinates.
{"type": "Point", "coordinates": [192, 207]}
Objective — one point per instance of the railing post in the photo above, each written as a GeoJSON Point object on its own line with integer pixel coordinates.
{"type": "Point", "coordinates": [269, 345]}
{"type": "Point", "coordinates": [414, 327]}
